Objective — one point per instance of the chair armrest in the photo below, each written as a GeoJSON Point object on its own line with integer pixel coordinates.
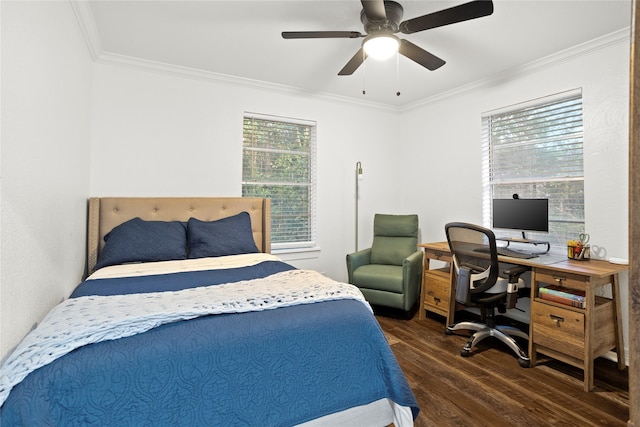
{"type": "Point", "coordinates": [515, 271]}
{"type": "Point", "coordinates": [513, 290]}
{"type": "Point", "coordinates": [412, 277]}
{"type": "Point", "coordinates": [415, 259]}
{"type": "Point", "coordinates": [357, 259]}
{"type": "Point", "coordinates": [412, 267]}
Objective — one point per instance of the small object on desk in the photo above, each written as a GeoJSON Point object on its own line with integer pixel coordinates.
{"type": "Point", "coordinates": [622, 261]}
{"type": "Point", "coordinates": [579, 249]}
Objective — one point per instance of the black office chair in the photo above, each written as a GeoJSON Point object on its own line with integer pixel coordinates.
{"type": "Point", "coordinates": [479, 284]}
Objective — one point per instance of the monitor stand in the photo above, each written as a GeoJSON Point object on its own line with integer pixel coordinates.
{"type": "Point", "coordinates": [525, 240]}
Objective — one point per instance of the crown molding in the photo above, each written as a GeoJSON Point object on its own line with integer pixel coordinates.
{"type": "Point", "coordinates": [583, 49]}
{"type": "Point", "coordinates": [88, 27]}
{"type": "Point", "coordinates": [111, 58]}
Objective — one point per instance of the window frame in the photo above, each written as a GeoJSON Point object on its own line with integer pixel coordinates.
{"type": "Point", "coordinates": [309, 182]}
{"type": "Point", "coordinates": [565, 223]}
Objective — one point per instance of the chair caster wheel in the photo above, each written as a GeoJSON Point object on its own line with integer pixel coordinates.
{"type": "Point", "coordinates": [524, 363]}
{"type": "Point", "coordinates": [465, 352]}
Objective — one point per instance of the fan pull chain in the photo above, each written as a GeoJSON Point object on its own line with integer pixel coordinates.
{"type": "Point", "coordinates": [398, 73]}
{"type": "Point", "coordinates": [364, 69]}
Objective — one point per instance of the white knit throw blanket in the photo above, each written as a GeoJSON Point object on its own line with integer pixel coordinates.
{"type": "Point", "coordinates": [90, 319]}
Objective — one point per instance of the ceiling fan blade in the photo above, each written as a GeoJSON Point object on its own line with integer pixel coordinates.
{"type": "Point", "coordinates": [374, 10]}
{"type": "Point", "coordinates": [419, 55]}
{"type": "Point", "coordinates": [464, 12]}
{"type": "Point", "coordinates": [320, 34]}
{"type": "Point", "coordinates": [353, 63]}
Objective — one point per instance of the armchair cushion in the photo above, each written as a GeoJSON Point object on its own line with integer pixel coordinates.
{"type": "Point", "coordinates": [391, 250]}
{"type": "Point", "coordinates": [394, 238]}
{"type": "Point", "coordinates": [382, 277]}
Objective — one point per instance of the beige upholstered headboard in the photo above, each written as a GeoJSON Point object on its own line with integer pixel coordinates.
{"type": "Point", "coordinates": [105, 213]}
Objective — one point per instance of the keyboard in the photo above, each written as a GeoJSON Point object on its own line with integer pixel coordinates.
{"type": "Point", "coordinates": [515, 254]}
{"type": "Point", "coordinates": [507, 252]}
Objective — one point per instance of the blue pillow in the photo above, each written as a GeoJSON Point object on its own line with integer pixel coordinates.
{"type": "Point", "coordinates": [143, 241]}
{"type": "Point", "coordinates": [226, 236]}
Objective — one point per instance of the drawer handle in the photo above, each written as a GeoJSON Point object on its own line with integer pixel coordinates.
{"type": "Point", "coordinates": [556, 319]}
{"type": "Point", "coordinates": [438, 255]}
{"type": "Point", "coordinates": [559, 279]}
{"type": "Point", "coordinates": [437, 300]}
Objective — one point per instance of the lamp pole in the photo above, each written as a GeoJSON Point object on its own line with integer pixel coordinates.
{"type": "Point", "coordinates": [358, 173]}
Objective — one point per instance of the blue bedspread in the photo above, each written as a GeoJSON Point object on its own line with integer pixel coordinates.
{"type": "Point", "coordinates": [271, 368]}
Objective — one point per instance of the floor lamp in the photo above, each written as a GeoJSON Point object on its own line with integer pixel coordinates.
{"type": "Point", "coordinates": [358, 173]}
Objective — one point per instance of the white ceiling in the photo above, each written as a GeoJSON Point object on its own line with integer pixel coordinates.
{"type": "Point", "coordinates": [242, 39]}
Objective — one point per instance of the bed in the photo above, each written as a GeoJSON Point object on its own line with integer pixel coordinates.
{"type": "Point", "coordinates": [185, 318]}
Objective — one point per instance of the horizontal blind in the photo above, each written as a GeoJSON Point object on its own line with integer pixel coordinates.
{"type": "Point", "coordinates": [537, 152]}
{"type": "Point", "coordinates": [278, 163]}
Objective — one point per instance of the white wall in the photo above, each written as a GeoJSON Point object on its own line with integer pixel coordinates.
{"type": "Point", "coordinates": [445, 135]}
{"type": "Point", "coordinates": [46, 70]}
{"type": "Point", "coordinates": [158, 134]}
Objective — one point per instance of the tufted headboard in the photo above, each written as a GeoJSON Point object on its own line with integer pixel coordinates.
{"type": "Point", "coordinates": [105, 213]}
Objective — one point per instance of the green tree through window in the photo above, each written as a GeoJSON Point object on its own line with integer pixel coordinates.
{"type": "Point", "coordinates": [278, 162]}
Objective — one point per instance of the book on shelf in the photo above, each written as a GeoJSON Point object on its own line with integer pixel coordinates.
{"type": "Point", "coordinates": [562, 300]}
{"type": "Point", "coordinates": [564, 292]}
{"type": "Point", "coordinates": [562, 295]}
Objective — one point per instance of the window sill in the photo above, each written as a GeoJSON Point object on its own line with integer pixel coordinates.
{"type": "Point", "coordinates": [295, 254]}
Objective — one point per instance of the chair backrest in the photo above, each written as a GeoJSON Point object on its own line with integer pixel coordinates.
{"type": "Point", "coordinates": [474, 252]}
{"type": "Point", "coordinates": [395, 237]}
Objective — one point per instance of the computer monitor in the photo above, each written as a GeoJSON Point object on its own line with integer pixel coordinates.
{"type": "Point", "coordinates": [521, 214]}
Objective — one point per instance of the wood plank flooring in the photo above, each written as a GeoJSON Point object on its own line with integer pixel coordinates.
{"type": "Point", "coordinates": [491, 389]}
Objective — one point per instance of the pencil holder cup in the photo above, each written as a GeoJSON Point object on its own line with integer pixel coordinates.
{"type": "Point", "coordinates": [579, 252]}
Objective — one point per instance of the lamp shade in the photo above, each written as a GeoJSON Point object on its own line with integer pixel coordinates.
{"type": "Point", "coordinates": [381, 46]}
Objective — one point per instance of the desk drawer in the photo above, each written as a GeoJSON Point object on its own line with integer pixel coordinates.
{"type": "Point", "coordinates": [437, 290]}
{"type": "Point", "coordinates": [559, 329]}
{"type": "Point", "coordinates": [561, 278]}
{"type": "Point", "coordinates": [436, 254]}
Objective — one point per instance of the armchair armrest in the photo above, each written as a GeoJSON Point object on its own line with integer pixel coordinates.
{"type": "Point", "coordinates": [412, 274]}
{"type": "Point", "coordinates": [412, 266]}
{"type": "Point", "coordinates": [356, 260]}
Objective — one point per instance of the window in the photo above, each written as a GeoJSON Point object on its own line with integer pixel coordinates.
{"type": "Point", "coordinates": [536, 150]}
{"type": "Point", "coordinates": [278, 162]}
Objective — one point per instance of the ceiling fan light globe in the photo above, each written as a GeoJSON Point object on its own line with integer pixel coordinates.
{"type": "Point", "coordinates": [381, 47]}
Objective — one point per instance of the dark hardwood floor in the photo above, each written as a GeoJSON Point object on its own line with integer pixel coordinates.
{"type": "Point", "coordinates": [491, 389]}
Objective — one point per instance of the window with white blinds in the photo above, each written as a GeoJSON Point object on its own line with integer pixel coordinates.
{"type": "Point", "coordinates": [535, 150]}
{"type": "Point", "coordinates": [278, 162]}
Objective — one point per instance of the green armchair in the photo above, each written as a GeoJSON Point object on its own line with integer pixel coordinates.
{"type": "Point", "coordinates": [389, 272]}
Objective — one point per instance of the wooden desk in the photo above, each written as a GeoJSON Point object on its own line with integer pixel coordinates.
{"type": "Point", "coordinates": [573, 335]}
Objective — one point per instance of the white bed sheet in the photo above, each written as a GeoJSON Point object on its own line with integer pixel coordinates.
{"type": "Point", "coordinates": [176, 266]}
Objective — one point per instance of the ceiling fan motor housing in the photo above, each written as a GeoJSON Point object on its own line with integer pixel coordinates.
{"type": "Point", "coordinates": [394, 13]}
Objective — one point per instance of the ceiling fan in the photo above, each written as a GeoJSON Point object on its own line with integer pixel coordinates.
{"type": "Point", "coordinates": [381, 19]}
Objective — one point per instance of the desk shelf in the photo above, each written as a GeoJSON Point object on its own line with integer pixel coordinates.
{"type": "Point", "coordinates": [598, 302]}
